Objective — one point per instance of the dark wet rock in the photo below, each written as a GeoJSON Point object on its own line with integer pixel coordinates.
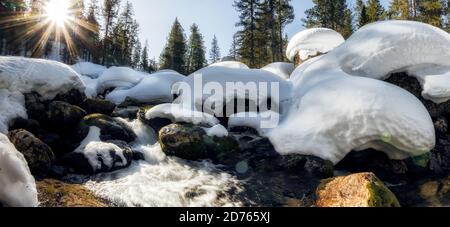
{"type": "Point", "coordinates": [441, 126]}
{"type": "Point", "coordinates": [35, 108]}
{"type": "Point", "coordinates": [30, 125]}
{"type": "Point", "coordinates": [311, 165]}
{"type": "Point", "coordinates": [39, 155]}
{"type": "Point", "coordinates": [130, 102]}
{"type": "Point", "coordinates": [73, 97]}
{"type": "Point", "coordinates": [440, 157]}
{"type": "Point", "coordinates": [127, 113]}
{"type": "Point", "coordinates": [111, 129]}
{"type": "Point", "coordinates": [60, 145]}
{"type": "Point", "coordinates": [80, 164]}
{"type": "Point", "coordinates": [191, 142]}
{"type": "Point", "coordinates": [357, 190]}
{"type": "Point", "coordinates": [58, 172]}
{"type": "Point", "coordinates": [98, 106]}
{"type": "Point", "coordinates": [157, 123]}
{"type": "Point", "coordinates": [63, 117]}
{"type": "Point", "coordinates": [373, 161]}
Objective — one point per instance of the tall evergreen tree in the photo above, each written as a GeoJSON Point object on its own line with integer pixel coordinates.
{"type": "Point", "coordinates": [136, 60]}
{"type": "Point", "coordinates": [93, 32]}
{"type": "Point", "coordinates": [214, 54]}
{"type": "Point", "coordinates": [431, 12]}
{"type": "Point", "coordinates": [399, 10]}
{"type": "Point", "coordinates": [284, 16]}
{"type": "Point", "coordinates": [347, 29]}
{"type": "Point", "coordinates": [329, 14]}
{"type": "Point", "coordinates": [109, 13]}
{"type": "Point", "coordinates": [233, 52]}
{"type": "Point", "coordinates": [246, 35]}
{"type": "Point", "coordinates": [196, 54]}
{"type": "Point", "coordinates": [125, 36]}
{"type": "Point", "coordinates": [174, 53]}
{"type": "Point", "coordinates": [144, 64]}
{"type": "Point", "coordinates": [375, 11]}
{"type": "Point", "coordinates": [361, 13]}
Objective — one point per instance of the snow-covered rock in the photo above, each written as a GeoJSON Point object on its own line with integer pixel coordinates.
{"type": "Point", "coordinates": [313, 41]}
{"type": "Point", "coordinates": [119, 78]}
{"type": "Point", "coordinates": [12, 106]}
{"type": "Point", "coordinates": [382, 48]}
{"type": "Point", "coordinates": [89, 69]}
{"type": "Point", "coordinates": [335, 109]}
{"type": "Point", "coordinates": [220, 86]}
{"type": "Point", "coordinates": [155, 88]}
{"type": "Point", "coordinates": [17, 186]}
{"type": "Point", "coordinates": [281, 69]}
{"type": "Point", "coordinates": [262, 122]}
{"type": "Point", "coordinates": [91, 86]}
{"type": "Point", "coordinates": [47, 78]}
{"type": "Point", "coordinates": [177, 113]}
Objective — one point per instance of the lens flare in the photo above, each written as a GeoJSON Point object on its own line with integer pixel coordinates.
{"type": "Point", "coordinates": [58, 11]}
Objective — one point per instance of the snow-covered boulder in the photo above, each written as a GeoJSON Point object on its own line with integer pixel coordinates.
{"type": "Point", "coordinates": [221, 86]}
{"type": "Point", "coordinates": [382, 48]}
{"type": "Point", "coordinates": [12, 106]}
{"type": "Point", "coordinates": [230, 64]}
{"type": "Point", "coordinates": [17, 186]}
{"type": "Point", "coordinates": [336, 109]}
{"type": "Point", "coordinates": [312, 42]}
{"type": "Point", "coordinates": [153, 89]}
{"type": "Point", "coordinates": [119, 78]}
{"type": "Point", "coordinates": [89, 69]}
{"type": "Point", "coordinates": [281, 69]}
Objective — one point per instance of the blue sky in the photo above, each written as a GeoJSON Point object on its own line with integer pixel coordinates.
{"type": "Point", "coordinates": [212, 16]}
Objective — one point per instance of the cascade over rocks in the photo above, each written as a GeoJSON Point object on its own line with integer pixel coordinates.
{"type": "Point", "coordinates": [111, 129]}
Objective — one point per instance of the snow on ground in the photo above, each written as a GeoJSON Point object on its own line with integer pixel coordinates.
{"type": "Point", "coordinates": [313, 41]}
{"type": "Point", "coordinates": [229, 64]}
{"type": "Point", "coordinates": [281, 69]}
{"type": "Point", "coordinates": [155, 88]}
{"type": "Point", "coordinates": [119, 78]}
{"type": "Point", "coordinates": [91, 86]}
{"type": "Point", "coordinates": [98, 152]}
{"type": "Point", "coordinates": [177, 113]}
{"type": "Point", "coordinates": [335, 109]}
{"type": "Point", "coordinates": [262, 122]}
{"type": "Point", "coordinates": [17, 186]}
{"type": "Point", "coordinates": [89, 69]}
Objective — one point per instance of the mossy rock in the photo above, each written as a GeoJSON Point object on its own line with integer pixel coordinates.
{"type": "Point", "coordinates": [99, 106]}
{"type": "Point", "coordinates": [357, 190]}
{"type": "Point", "coordinates": [191, 142]}
{"type": "Point", "coordinates": [63, 116]}
{"type": "Point", "coordinates": [111, 129]}
{"type": "Point", "coordinates": [156, 123]}
{"type": "Point", "coordinates": [53, 193]}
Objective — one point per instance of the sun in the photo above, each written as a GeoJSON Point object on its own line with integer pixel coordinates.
{"type": "Point", "coordinates": [58, 11]}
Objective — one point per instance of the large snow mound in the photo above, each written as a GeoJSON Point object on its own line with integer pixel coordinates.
{"type": "Point", "coordinates": [312, 41]}
{"type": "Point", "coordinates": [212, 83]}
{"type": "Point", "coordinates": [120, 78]}
{"type": "Point", "coordinates": [17, 186]}
{"type": "Point", "coordinates": [47, 78]}
{"type": "Point", "coordinates": [382, 48]}
{"type": "Point", "coordinates": [89, 69]}
{"type": "Point", "coordinates": [336, 109]}
{"type": "Point", "coordinates": [155, 88]}
{"type": "Point", "coordinates": [230, 64]}
{"type": "Point", "coordinates": [281, 69]}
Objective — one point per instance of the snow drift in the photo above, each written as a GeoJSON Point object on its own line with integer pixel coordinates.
{"type": "Point", "coordinates": [281, 69]}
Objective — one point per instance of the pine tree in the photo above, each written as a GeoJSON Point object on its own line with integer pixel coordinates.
{"type": "Point", "coordinates": [93, 32]}
{"type": "Point", "coordinates": [136, 60]}
{"type": "Point", "coordinates": [214, 54]}
{"type": "Point", "coordinates": [399, 10]}
{"type": "Point", "coordinates": [174, 53]}
{"type": "Point", "coordinates": [144, 64]}
{"type": "Point", "coordinates": [375, 11]}
{"type": "Point", "coordinates": [431, 12]}
{"type": "Point", "coordinates": [10, 26]}
{"type": "Point", "coordinates": [233, 52]}
{"type": "Point", "coordinates": [329, 14]}
{"type": "Point", "coordinates": [361, 13]}
{"type": "Point", "coordinates": [110, 13]}
{"type": "Point", "coordinates": [284, 16]}
{"type": "Point", "coordinates": [196, 54]}
{"type": "Point", "coordinates": [347, 29]}
{"type": "Point", "coordinates": [266, 38]}
{"type": "Point", "coordinates": [125, 36]}
{"type": "Point", "coordinates": [247, 33]}
{"type": "Point", "coordinates": [447, 15]}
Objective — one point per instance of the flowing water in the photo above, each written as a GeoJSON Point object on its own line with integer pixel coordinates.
{"type": "Point", "coordinates": [162, 181]}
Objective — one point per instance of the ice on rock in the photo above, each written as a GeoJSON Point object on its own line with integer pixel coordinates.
{"type": "Point", "coordinates": [47, 78]}
{"type": "Point", "coordinates": [17, 185]}
{"type": "Point", "coordinates": [119, 78]}
{"type": "Point", "coordinates": [176, 113]}
{"type": "Point", "coordinates": [281, 69]}
{"type": "Point", "coordinates": [313, 41]}
{"type": "Point", "coordinates": [89, 69]}
{"type": "Point", "coordinates": [155, 88]}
